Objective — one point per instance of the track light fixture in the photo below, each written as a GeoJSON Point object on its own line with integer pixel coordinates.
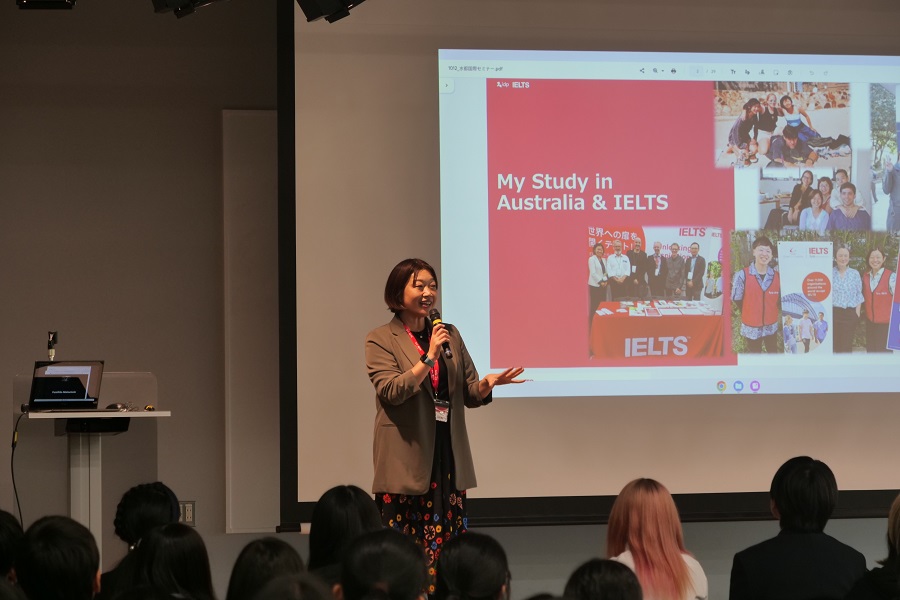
{"type": "Point", "coordinates": [46, 4]}
{"type": "Point", "coordinates": [331, 10]}
{"type": "Point", "coordinates": [181, 8]}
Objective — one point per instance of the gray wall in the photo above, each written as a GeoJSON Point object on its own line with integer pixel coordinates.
{"type": "Point", "coordinates": [111, 225]}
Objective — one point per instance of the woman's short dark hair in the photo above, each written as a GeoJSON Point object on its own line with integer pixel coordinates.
{"type": "Point", "coordinates": [599, 579]}
{"type": "Point", "coordinates": [142, 508]}
{"type": "Point", "coordinates": [301, 586]}
{"type": "Point", "coordinates": [174, 558]}
{"type": "Point", "coordinates": [399, 277]}
{"type": "Point", "coordinates": [472, 566]}
{"type": "Point", "coordinates": [828, 181]}
{"type": "Point", "coordinates": [383, 564]}
{"type": "Point", "coordinates": [342, 514]}
{"type": "Point", "coordinates": [804, 491]}
{"type": "Point", "coordinates": [260, 562]}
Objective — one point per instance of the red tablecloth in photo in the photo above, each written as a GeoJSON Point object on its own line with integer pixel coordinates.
{"type": "Point", "coordinates": [663, 340]}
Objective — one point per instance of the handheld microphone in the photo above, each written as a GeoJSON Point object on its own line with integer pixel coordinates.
{"type": "Point", "coordinates": [435, 317]}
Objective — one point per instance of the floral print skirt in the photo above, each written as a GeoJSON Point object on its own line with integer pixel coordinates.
{"type": "Point", "coordinates": [437, 515]}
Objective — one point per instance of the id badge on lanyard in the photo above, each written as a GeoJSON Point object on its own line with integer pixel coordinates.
{"type": "Point", "coordinates": [441, 407]}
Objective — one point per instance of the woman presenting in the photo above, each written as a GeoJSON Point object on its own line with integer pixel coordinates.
{"type": "Point", "coordinates": [423, 463]}
{"type": "Point", "coordinates": [878, 291]}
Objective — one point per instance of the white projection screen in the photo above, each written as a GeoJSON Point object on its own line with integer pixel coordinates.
{"type": "Point", "coordinates": [504, 167]}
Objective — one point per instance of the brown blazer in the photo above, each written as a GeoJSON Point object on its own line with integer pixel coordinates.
{"type": "Point", "coordinates": [404, 419]}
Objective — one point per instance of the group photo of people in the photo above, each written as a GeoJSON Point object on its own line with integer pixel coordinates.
{"type": "Point", "coordinates": [762, 124]}
{"type": "Point", "coordinates": [671, 267]}
{"type": "Point", "coordinates": [680, 274]}
{"type": "Point", "coordinates": [816, 199]}
{"type": "Point", "coordinates": [862, 284]}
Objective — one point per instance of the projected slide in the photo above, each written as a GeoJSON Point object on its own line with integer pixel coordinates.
{"type": "Point", "coordinates": [604, 217]}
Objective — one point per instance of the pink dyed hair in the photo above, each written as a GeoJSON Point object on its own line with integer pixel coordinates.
{"type": "Point", "coordinates": [645, 521]}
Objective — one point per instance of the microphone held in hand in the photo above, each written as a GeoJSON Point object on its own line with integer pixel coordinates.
{"type": "Point", "coordinates": [435, 317]}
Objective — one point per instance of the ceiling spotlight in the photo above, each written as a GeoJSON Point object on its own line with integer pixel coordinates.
{"type": "Point", "coordinates": [181, 8]}
{"type": "Point", "coordinates": [331, 10]}
{"type": "Point", "coordinates": [46, 4]}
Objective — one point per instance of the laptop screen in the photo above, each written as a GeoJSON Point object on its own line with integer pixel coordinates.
{"type": "Point", "coordinates": [66, 384]}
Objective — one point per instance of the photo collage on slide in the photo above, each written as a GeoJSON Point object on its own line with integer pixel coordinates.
{"type": "Point", "coordinates": [815, 269]}
{"type": "Point", "coordinates": [714, 218]}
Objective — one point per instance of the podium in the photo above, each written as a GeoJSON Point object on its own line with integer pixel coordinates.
{"type": "Point", "coordinates": [85, 434]}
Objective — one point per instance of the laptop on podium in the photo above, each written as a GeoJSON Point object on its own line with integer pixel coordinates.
{"type": "Point", "coordinates": [66, 385]}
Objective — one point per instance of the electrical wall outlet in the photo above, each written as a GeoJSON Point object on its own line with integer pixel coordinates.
{"type": "Point", "coordinates": [186, 512]}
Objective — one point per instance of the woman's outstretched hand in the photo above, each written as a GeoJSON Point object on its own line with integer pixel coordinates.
{"type": "Point", "coordinates": [504, 377]}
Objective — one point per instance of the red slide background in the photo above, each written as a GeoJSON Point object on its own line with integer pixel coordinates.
{"type": "Point", "coordinates": [649, 137]}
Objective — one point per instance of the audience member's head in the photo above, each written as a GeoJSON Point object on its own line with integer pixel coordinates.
{"type": "Point", "coordinates": [342, 513]}
{"type": "Point", "coordinates": [301, 586]}
{"type": "Point", "coordinates": [142, 508]}
{"type": "Point", "coordinates": [603, 580]}
{"type": "Point", "coordinates": [58, 560]}
{"type": "Point", "coordinates": [803, 494]}
{"type": "Point", "coordinates": [173, 558]}
{"type": "Point", "coordinates": [472, 566]}
{"type": "Point", "coordinates": [260, 562]}
{"type": "Point", "coordinates": [10, 539]}
{"type": "Point", "coordinates": [383, 564]}
{"type": "Point", "coordinates": [893, 535]}
{"type": "Point", "coordinates": [644, 521]}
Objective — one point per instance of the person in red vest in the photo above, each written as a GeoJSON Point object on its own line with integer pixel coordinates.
{"type": "Point", "coordinates": [878, 291]}
{"type": "Point", "coordinates": [757, 291]}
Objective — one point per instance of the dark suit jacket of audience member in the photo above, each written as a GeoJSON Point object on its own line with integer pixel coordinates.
{"type": "Point", "coordinates": [796, 566]}
{"type": "Point", "coordinates": [878, 584]}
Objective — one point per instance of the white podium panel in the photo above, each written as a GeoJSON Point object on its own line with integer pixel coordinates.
{"type": "Point", "coordinates": [59, 473]}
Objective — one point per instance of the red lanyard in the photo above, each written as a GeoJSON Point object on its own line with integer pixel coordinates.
{"type": "Point", "coordinates": [435, 371]}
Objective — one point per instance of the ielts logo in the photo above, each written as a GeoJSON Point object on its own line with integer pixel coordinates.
{"type": "Point", "coordinates": [820, 251]}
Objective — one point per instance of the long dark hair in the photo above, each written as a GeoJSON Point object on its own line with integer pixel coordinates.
{"type": "Point", "coordinates": [342, 513]}
{"type": "Point", "coordinates": [173, 558]}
